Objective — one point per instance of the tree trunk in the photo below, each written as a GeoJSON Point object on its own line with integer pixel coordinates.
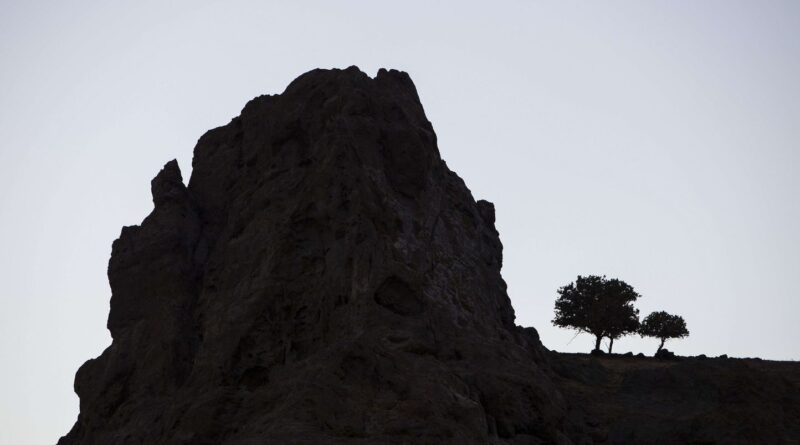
{"type": "Point", "coordinates": [610, 344]}
{"type": "Point", "coordinates": [597, 342]}
{"type": "Point", "coordinates": [661, 345]}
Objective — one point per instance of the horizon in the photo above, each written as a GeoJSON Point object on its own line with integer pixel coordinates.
{"type": "Point", "coordinates": [653, 144]}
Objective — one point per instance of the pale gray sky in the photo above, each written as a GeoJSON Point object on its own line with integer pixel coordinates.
{"type": "Point", "coordinates": [656, 142]}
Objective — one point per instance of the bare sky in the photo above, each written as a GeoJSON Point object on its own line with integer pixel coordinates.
{"type": "Point", "coordinates": [656, 142]}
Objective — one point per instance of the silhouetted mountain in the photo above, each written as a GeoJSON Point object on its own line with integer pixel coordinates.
{"type": "Point", "coordinates": [325, 278]}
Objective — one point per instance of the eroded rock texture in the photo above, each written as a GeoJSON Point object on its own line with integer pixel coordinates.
{"type": "Point", "coordinates": [323, 278]}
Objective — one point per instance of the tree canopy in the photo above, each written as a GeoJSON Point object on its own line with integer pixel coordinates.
{"type": "Point", "coordinates": [598, 305]}
{"type": "Point", "coordinates": [663, 326]}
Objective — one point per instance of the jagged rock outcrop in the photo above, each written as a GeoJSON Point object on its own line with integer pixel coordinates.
{"type": "Point", "coordinates": [323, 278]}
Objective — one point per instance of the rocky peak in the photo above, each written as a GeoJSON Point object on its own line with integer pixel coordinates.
{"type": "Point", "coordinates": [168, 184]}
{"type": "Point", "coordinates": [323, 278]}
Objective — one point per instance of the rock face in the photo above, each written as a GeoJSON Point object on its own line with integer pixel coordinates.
{"type": "Point", "coordinates": [323, 278]}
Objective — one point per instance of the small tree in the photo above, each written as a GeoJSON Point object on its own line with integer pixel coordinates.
{"type": "Point", "coordinates": [663, 326]}
{"type": "Point", "coordinates": [597, 305]}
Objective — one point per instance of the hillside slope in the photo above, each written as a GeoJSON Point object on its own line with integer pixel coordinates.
{"type": "Point", "coordinates": [643, 400]}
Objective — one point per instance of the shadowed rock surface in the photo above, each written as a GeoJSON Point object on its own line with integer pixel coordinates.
{"type": "Point", "coordinates": [681, 400]}
{"type": "Point", "coordinates": [325, 278]}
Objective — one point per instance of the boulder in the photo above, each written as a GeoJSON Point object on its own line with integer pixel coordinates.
{"type": "Point", "coordinates": [664, 354]}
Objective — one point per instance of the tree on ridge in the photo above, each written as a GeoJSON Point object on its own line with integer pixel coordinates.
{"type": "Point", "coordinates": [663, 326]}
{"type": "Point", "coordinates": [598, 305]}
